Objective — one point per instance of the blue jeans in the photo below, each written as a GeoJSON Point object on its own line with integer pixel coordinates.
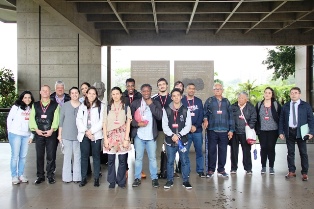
{"type": "Point", "coordinates": [185, 162]}
{"type": "Point", "coordinates": [19, 147]}
{"type": "Point", "coordinates": [197, 140]}
{"type": "Point", "coordinates": [150, 146]}
{"type": "Point", "coordinates": [220, 139]}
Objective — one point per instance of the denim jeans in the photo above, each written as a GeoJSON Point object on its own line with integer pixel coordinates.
{"type": "Point", "coordinates": [19, 147]}
{"type": "Point", "coordinates": [150, 146]}
{"type": "Point", "coordinates": [185, 162]}
{"type": "Point", "coordinates": [86, 145]}
{"type": "Point", "coordinates": [197, 140]}
{"type": "Point", "coordinates": [220, 139]}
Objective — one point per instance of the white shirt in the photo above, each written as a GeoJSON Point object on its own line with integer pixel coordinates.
{"type": "Point", "coordinates": [291, 113]}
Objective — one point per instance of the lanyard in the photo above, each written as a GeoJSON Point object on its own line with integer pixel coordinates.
{"type": "Point", "coordinates": [266, 110]}
{"type": "Point", "coordinates": [219, 104]}
{"type": "Point", "coordinates": [44, 109]}
{"type": "Point", "coordinates": [131, 98]}
{"type": "Point", "coordinates": [163, 102]}
{"type": "Point", "coordinates": [189, 103]}
{"type": "Point", "coordinates": [60, 101]}
{"type": "Point", "coordinates": [117, 110]}
{"type": "Point", "coordinates": [143, 106]}
{"type": "Point", "coordinates": [175, 115]}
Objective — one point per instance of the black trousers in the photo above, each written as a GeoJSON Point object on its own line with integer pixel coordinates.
{"type": "Point", "coordinates": [86, 146]}
{"type": "Point", "coordinates": [268, 140]}
{"type": "Point", "coordinates": [291, 152]}
{"type": "Point", "coordinates": [118, 178]}
{"type": "Point", "coordinates": [246, 150]}
{"type": "Point", "coordinates": [45, 144]}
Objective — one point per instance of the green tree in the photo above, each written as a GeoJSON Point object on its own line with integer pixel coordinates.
{"type": "Point", "coordinates": [282, 61]}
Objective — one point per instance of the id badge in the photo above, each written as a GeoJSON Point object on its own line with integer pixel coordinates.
{"type": "Point", "coordinates": [26, 117]}
{"type": "Point", "coordinates": [116, 122]}
{"type": "Point", "coordinates": [175, 125]}
{"type": "Point", "coordinates": [89, 122]}
{"type": "Point", "coordinates": [219, 112]}
{"type": "Point", "coordinates": [241, 117]}
{"type": "Point", "coordinates": [44, 116]}
{"type": "Point", "coordinates": [192, 114]}
{"type": "Point", "coordinates": [266, 118]}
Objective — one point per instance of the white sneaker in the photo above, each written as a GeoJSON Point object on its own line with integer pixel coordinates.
{"type": "Point", "coordinates": [23, 179]}
{"type": "Point", "coordinates": [15, 180]}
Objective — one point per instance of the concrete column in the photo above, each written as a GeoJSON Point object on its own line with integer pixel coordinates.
{"type": "Point", "coordinates": [301, 72]}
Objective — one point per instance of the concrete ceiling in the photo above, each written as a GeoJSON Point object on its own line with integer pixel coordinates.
{"type": "Point", "coordinates": [8, 11]}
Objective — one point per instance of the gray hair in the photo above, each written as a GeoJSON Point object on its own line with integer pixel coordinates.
{"type": "Point", "coordinates": [243, 93]}
{"type": "Point", "coordinates": [215, 84]}
{"type": "Point", "coordinates": [59, 83]}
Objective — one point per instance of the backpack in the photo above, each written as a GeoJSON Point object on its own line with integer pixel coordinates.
{"type": "Point", "coordinates": [163, 164]}
{"type": "Point", "coordinates": [259, 104]}
{"type": "Point", "coordinates": [99, 109]}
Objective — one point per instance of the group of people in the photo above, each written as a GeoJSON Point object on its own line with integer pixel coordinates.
{"type": "Point", "coordinates": [169, 119]}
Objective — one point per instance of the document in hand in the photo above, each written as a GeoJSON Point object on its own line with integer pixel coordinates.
{"type": "Point", "coordinates": [304, 130]}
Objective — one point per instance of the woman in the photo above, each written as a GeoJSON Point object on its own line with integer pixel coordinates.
{"type": "Point", "coordinates": [268, 111]}
{"type": "Point", "coordinates": [243, 111]}
{"type": "Point", "coordinates": [116, 129]}
{"type": "Point", "coordinates": [89, 123]}
{"type": "Point", "coordinates": [84, 87]}
{"type": "Point", "coordinates": [19, 135]}
{"type": "Point", "coordinates": [68, 138]}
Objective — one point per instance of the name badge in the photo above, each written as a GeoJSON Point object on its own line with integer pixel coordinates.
{"type": "Point", "coordinates": [116, 122]}
{"type": "Point", "coordinates": [219, 112]}
{"type": "Point", "coordinates": [192, 114]}
{"type": "Point", "coordinates": [175, 125]}
{"type": "Point", "coordinates": [43, 116]}
{"type": "Point", "coordinates": [27, 118]}
{"type": "Point", "coordinates": [89, 122]}
{"type": "Point", "coordinates": [241, 117]}
{"type": "Point", "coordinates": [266, 118]}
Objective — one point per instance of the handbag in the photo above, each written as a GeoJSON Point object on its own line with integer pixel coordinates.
{"type": "Point", "coordinates": [249, 132]}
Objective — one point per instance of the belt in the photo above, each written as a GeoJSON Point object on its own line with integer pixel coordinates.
{"type": "Point", "coordinates": [292, 128]}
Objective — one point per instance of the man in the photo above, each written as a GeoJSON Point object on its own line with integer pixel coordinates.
{"type": "Point", "coordinates": [195, 105]}
{"type": "Point", "coordinates": [295, 114]}
{"type": "Point", "coordinates": [179, 85]}
{"type": "Point", "coordinates": [101, 89]}
{"type": "Point", "coordinates": [130, 95]}
{"type": "Point", "coordinates": [164, 98]}
{"type": "Point", "coordinates": [44, 121]}
{"type": "Point", "coordinates": [217, 110]}
{"type": "Point", "coordinates": [145, 133]}
{"type": "Point", "coordinates": [176, 123]}
{"type": "Point", "coordinates": [60, 97]}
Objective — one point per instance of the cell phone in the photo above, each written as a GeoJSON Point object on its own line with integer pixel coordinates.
{"type": "Point", "coordinates": [306, 137]}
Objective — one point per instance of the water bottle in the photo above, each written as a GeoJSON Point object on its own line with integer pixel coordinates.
{"type": "Point", "coordinates": [181, 146]}
{"type": "Point", "coordinates": [255, 154]}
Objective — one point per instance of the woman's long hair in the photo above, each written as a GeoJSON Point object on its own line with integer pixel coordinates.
{"type": "Point", "coordinates": [20, 103]}
{"type": "Point", "coordinates": [121, 99]}
{"type": "Point", "coordinates": [97, 102]}
{"type": "Point", "coordinates": [273, 95]}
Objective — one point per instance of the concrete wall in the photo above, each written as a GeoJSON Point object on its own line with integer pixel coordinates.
{"type": "Point", "coordinates": [50, 50]}
{"type": "Point", "coordinates": [301, 72]}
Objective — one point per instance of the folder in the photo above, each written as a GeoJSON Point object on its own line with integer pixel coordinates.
{"type": "Point", "coordinates": [304, 130]}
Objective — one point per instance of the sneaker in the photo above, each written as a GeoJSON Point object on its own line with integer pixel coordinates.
{"type": "Point", "coordinates": [249, 172]}
{"type": "Point", "coordinates": [201, 174]}
{"type": "Point", "coordinates": [271, 171]}
{"type": "Point", "coordinates": [233, 171]}
{"type": "Point", "coordinates": [15, 180]}
{"type": "Point", "coordinates": [290, 175]}
{"type": "Point", "coordinates": [187, 185]}
{"type": "Point", "coordinates": [168, 185]}
{"type": "Point", "coordinates": [23, 179]}
{"type": "Point", "coordinates": [304, 177]}
{"type": "Point", "coordinates": [136, 183]}
{"type": "Point", "coordinates": [155, 183]}
{"type": "Point", "coordinates": [263, 170]}
{"type": "Point", "coordinates": [223, 174]}
{"type": "Point", "coordinates": [209, 174]}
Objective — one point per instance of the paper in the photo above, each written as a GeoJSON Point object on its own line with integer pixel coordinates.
{"type": "Point", "coordinates": [304, 130]}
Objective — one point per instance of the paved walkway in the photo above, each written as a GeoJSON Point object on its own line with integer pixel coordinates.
{"type": "Point", "coordinates": [238, 191]}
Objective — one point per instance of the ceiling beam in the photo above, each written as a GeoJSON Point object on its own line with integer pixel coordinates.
{"type": "Point", "coordinates": [9, 8]}
{"type": "Point", "coordinates": [155, 16]}
{"type": "Point", "coordinates": [113, 7]}
{"type": "Point", "coordinates": [229, 16]}
{"type": "Point", "coordinates": [192, 16]}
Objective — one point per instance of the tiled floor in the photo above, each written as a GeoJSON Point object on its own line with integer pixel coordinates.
{"type": "Point", "coordinates": [237, 191]}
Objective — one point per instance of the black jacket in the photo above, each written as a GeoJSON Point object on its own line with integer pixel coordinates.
{"type": "Point", "coordinates": [156, 110]}
{"type": "Point", "coordinates": [137, 95]}
{"type": "Point", "coordinates": [274, 111]}
{"type": "Point", "coordinates": [249, 113]}
{"type": "Point", "coordinates": [66, 97]}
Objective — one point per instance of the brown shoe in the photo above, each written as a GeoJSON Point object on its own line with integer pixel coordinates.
{"type": "Point", "coordinates": [304, 177]}
{"type": "Point", "coordinates": [290, 175]}
{"type": "Point", "coordinates": [143, 175]}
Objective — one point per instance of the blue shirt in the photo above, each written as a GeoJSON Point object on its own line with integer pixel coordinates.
{"type": "Point", "coordinates": [146, 133]}
{"type": "Point", "coordinates": [197, 112]}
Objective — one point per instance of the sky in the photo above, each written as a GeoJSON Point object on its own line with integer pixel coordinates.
{"type": "Point", "coordinates": [230, 62]}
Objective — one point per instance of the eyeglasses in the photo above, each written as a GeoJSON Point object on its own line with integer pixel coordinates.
{"type": "Point", "coordinates": [217, 89]}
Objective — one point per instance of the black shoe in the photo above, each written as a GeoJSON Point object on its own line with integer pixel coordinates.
{"type": "Point", "coordinates": [83, 182]}
{"type": "Point", "coordinates": [96, 183]}
{"type": "Point", "coordinates": [201, 174]}
{"type": "Point", "coordinates": [136, 183]}
{"type": "Point", "coordinates": [112, 185]}
{"type": "Point", "coordinates": [155, 183]}
{"type": "Point", "coordinates": [39, 180]}
{"type": "Point", "coordinates": [168, 185]}
{"type": "Point", "coordinates": [187, 185]}
{"type": "Point", "coordinates": [51, 180]}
